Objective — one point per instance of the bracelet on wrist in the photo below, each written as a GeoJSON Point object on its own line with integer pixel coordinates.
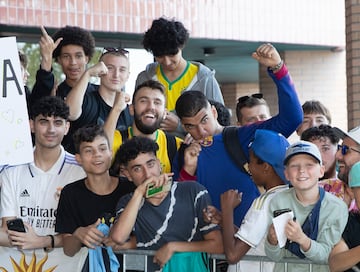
{"type": "Point", "coordinates": [277, 67]}
{"type": "Point", "coordinates": [52, 244]}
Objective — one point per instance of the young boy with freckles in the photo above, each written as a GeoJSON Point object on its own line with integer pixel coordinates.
{"type": "Point", "coordinates": [319, 217]}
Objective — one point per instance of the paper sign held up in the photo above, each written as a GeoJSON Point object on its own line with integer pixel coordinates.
{"type": "Point", "coordinates": [15, 142]}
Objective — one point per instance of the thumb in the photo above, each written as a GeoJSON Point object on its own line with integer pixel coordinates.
{"type": "Point", "coordinates": [58, 41]}
{"type": "Point", "coordinates": [98, 221]}
{"type": "Point", "coordinates": [255, 56]}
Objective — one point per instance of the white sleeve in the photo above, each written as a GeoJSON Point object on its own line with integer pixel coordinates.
{"type": "Point", "coordinates": [255, 224]}
{"type": "Point", "coordinates": [8, 201]}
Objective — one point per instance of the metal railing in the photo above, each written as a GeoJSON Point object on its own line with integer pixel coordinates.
{"type": "Point", "coordinates": [136, 259]}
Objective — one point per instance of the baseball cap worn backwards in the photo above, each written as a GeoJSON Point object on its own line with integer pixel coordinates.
{"type": "Point", "coordinates": [303, 147]}
{"type": "Point", "coordinates": [354, 175]}
{"type": "Point", "coordinates": [270, 147]}
{"type": "Point", "coordinates": [353, 134]}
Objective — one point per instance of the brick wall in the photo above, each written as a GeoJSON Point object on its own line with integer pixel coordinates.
{"type": "Point", "coordinates": [255, 20]}
{"type": "Point", "coordinates": [353, 61]}
{"type": "Point", "coordinates": [318, 75]}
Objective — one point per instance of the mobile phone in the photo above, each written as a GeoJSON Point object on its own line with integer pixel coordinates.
{"type": "Point", "coordinates": [281, 211]}
{"type": "Point", "coordinates": [152, 191]}
{"type": "Point", "coordinates": [16, 225]}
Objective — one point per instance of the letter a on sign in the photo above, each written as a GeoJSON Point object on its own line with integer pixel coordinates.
{"type": "Point", "coordinates": [15, 144]}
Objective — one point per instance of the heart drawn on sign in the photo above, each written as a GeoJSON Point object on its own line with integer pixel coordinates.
{"type": "Point", "coordinates": [8, 115]}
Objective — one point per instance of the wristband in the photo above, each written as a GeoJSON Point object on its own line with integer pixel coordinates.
{"type": "Point", "coordinates": [52, 244]}
{"type": "Point", "coordinates": [277, 66]}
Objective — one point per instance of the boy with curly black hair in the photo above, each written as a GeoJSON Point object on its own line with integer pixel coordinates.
{"type": "Point", "coordinates": [166, 39]}
{"type": "Point", "coordinates": [72, 47]}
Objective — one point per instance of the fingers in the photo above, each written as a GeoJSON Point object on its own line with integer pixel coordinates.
{"type": "Point", "coordinates": [43, 31]}
{"type": "Point", "coordinates": [98, 70]}
{"type": "Point", "coordinates": [212, 215]}
{"type": "Point", "coordinates": [233, 194]}
{"type": "Point", "coordinates": [98, 221]}
{"type": "Point", "coordinates": [57, 42]}
{"type": "Point", "coordinates": [157, 261]}
{"type": "Point", "coordinates": [265, 50]}
{"type": "Point", "coordinates": [127, 98]}
{"type": "Point", "coordinates": [194, 149]}
{"type": "Point", "coordinates": [94, 238]}
{"type": "Point", "coordinates": [188, 139]}
{"type": "Point", "coordinates": [93, 241]}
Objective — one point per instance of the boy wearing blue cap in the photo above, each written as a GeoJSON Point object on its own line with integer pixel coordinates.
{"type": "Point", "coordinates": [319, 217]}
{"type": "Point", "coordinates": [267, 170]}
{"type": "Point", "coordinates": [346, 253]}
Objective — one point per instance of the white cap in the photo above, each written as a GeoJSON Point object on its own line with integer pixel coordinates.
{"type": "Point", "coordinates": [353, 134]}
{"type": "Point", "coordinates": [303, 147]}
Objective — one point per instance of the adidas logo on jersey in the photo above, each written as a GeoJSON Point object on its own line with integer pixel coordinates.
{"type": "Point", "coordinates": [24, 193]}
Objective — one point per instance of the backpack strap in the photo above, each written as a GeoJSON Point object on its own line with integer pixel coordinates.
{"type": "Point", "coordinates": [234, 149]}
{"type": "Point", "coordinates": [171, 147]}
{"type": "Point", "coordinates": [310, 227]}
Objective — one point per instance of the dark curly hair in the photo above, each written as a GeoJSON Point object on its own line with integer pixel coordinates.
{"type": "Point", "coordinates": [322, 131]}
{"type": "Point", "coordinates": [49, 106]}
{"type": "Point", "coordinates": [131, 148]}
{"type": "Point", "coordinates": [165, 37]}
{"type": "Point", "coordinates": [76, 36]}
{"type": "Point", "coordinates": [88, 134]}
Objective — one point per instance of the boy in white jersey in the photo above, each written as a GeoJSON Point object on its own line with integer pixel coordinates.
{"type": "Point", "coordinates": [31, 191]}
{"type": "Point", "coordinates": [267, 171]}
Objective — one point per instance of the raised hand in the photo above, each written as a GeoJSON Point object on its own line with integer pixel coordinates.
{"type": "Point", "coordinates": [191, 155]}
{"type": "Point", "coordinates": [98, 70]}
{"type": "Point", "coordinates": [267, 55]}
{"type": "Point", "coordinates": [230, 199]}
{"type": "Point", "coordinates": [212, 215]}
{"type": "Point", "coordinates": [47, 47]}
{"type": "Point", "coordinates": [170, 122]}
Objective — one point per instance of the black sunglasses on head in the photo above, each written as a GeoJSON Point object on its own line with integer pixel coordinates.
{"type": "Point", "coordinates": [114, 49]}
{"type": "Point", "coordinates": [245, 98]}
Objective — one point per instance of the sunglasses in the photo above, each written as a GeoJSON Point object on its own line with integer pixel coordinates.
{"type": "Point", "coordinates": [345, 149]}
{"type": "Point", "coordinates": [245, 98]}
{"type": "Point", "coordinates": [122, 51]}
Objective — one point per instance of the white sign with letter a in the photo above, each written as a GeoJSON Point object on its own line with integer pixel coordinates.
{"type": "Point", "coordinates": [15, 141]}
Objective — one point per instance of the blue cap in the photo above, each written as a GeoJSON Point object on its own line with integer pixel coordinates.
{"type": "Point", "coordinates": [271, 147]}
{"type": "Point", "coordinates": [303, 147]}
{"type": "Point", "coordinates": [354, 175]}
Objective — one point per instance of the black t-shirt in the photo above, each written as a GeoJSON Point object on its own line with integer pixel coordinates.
{"type": "Point", "coordinates": [351, 233]}
{"type": "Point", "coordinates": [80, 207]}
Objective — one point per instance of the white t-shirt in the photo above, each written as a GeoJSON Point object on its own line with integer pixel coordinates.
{"type": "Point", "coordinates": [33, 195]}
{"type": "Point", "coordinates": [253, 231]}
